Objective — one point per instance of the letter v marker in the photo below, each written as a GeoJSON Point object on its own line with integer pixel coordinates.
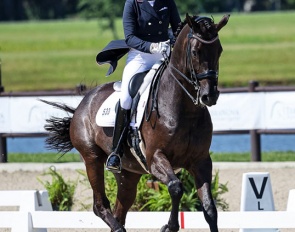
{"type": "Point", "coordinates": [258, 194]}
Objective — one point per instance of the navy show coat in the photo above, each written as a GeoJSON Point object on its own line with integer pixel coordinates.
{"type": "Point", "coordinates": [144, 24]}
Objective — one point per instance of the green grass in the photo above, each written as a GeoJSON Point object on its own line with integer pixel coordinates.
{"type": "Point", "coordinates": [246, 157]}
{"type": "Point", "coordinates": [258, 47]}
{"type": "Point", "coordinates": [51, 55]}
{"type": "Point", "coordinates": [43, 158]}
{"type": "Point", "coordinates": [216, 157]}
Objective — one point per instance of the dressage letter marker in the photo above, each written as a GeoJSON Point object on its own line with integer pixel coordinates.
{"type": "Point", "coordinates": [257, 195]}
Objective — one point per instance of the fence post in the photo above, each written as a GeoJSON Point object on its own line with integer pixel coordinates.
{"type": "Point", "coordinates": [1, 87]}
{"type": "Point", "coordinates": [255, 146]}
{"type": "Point", "coordinates": [3, 144]}
{"type": "Point", "coordinates": [3, 149]}
{"type": "Point", "coordinates": [255, 137]}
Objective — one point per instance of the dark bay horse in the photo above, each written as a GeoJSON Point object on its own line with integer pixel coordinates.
{"type": "Point", "coordinates": [177, 135]}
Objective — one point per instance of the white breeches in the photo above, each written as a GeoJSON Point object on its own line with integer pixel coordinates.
{"type": "Point", "coordinates": [136, 62]}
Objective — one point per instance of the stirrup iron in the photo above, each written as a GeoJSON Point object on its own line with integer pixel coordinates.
{"type": "Point", "coordinates": [111, 168]}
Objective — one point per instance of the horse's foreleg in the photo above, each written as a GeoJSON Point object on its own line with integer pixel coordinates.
{"type": "Point", "coordinates": [203, 178]}
{"type": "Point", "coordinates": [127, 186]}
{"type": "Point", "coordinates": [101, 204]}
{"type": "Point", "coordinates": [161, 168]}
{"type": "Point", "coordinates": [209, 209]}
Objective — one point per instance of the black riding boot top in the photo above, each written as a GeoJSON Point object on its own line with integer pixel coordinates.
{"type": "Point", "coordinates": [113, 163]}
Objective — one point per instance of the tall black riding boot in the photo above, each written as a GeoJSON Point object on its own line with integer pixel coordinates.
{"type": "Point", "coordinates": [113, 163]}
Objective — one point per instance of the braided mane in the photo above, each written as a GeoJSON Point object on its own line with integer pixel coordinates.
{"type": "Point", "coordinates": [181, 25]}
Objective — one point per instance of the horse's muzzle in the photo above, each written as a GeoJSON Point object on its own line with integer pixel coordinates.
{"type": "Point", "coordinates": [209, 92]}
{"type": "Point", "coordinates": [210, 99]}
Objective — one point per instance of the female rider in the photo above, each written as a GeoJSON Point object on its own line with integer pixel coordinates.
{"type": "Point", "coordinates": [146, 26]}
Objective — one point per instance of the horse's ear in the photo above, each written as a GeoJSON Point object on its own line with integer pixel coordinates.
{"type": "Point", "coordinates": [188, 19]}
{"type": "Point", "coordinates": [222, 22]}
{"type": "Point", "coordinates": [191, 22]}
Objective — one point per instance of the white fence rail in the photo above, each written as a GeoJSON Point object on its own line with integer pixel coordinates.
{"type": "Point", "coordinates": [28, 200]}
{"type": "Point", "coordinates": [33, 218]}
{"type": "Point", "coordinates": [40, 220]}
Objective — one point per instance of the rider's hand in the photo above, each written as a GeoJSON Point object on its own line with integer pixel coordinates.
{"type": "Point", "coordinates": [160, 47]}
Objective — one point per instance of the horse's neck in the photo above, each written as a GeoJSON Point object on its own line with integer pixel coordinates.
{"type": "Point", "coordinates": [177, 62]}
{"type": "Point", "coordinates": [172, 93]}
{"type": "Point", "coordinates": [178, 56]}
{"type": "Point", "coordinates": [175, 106]}
{"type": "Point", "coordinates": [174, 84]}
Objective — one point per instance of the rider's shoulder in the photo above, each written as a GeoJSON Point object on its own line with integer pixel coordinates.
{"type": "Point", "coordinates": [133, 1]}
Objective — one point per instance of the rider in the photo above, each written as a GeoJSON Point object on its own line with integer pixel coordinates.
{"type": "Point", "coordinates": [145, 25]}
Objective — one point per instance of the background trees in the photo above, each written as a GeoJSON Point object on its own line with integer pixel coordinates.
{"type": "Point", "coordinates": [11, 10]}
{"type": "Point", "coordinates": [109, 9]}
{"type": "Point", "coordinates": [59, 9]}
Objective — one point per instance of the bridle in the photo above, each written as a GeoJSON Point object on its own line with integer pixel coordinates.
{"type": "Point", "coordinates": [194, 78]}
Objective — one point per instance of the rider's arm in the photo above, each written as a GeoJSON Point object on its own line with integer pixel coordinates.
{"type": "Point", "coordinates": [131, 27]}
{"type": "Point", "coordinates": [174, 16]}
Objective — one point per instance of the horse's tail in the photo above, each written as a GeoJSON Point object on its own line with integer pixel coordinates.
{"type": "Point", "coordinates": [59, 129]}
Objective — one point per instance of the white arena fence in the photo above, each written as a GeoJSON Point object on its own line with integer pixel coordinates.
{"type": "Point", "coordinates": [234, 112]}
{"type": "Point", "coordinates": [40, 221]}
{"type": "Point", "coordinates": [35, 215]}
{"type": "Point", "coordinates": [239, 111]}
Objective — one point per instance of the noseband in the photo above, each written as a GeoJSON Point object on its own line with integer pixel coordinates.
{"type": "Point", "coordinates": [194, 77]}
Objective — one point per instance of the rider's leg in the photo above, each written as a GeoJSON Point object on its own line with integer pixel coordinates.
{"type": "Point", "coordinates": [114, 160]}
{"type": "Point", "coordinates": [136, 62]}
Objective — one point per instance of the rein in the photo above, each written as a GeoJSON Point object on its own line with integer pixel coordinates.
{"type": "Point", "coordinates": [197, 87]}
{"type": "Point", "coordinates": [194, 80]}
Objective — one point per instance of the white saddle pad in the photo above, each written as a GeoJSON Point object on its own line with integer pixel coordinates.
{"type": "Point", "coordinates": [106, 114]}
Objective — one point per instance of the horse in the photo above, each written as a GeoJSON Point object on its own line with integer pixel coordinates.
{"type": "Point", "coordinates": [177, 133]}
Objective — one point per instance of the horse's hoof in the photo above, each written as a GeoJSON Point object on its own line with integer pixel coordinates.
{"type": "Point", "coordinates": [165, 228]}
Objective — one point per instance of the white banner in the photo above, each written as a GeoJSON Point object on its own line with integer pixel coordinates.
{"type": "Point", "coordinates": [280, 110]}
{"type": "Point", "coordinates": [234, 111]}
{"type": "Point", "coordinates": [237, 111]}
{"type": "Point", "coordinates": [4, 115]}
{"type": "Point", "coordinates": [28, 114]}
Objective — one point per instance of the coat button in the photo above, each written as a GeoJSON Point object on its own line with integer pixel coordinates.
{"type": "Point", "coordinates": [160, 32]}
{"type": "Point", "coordinates": [149, 24]}
{"type": "Point", "coordinates": [160, 22]}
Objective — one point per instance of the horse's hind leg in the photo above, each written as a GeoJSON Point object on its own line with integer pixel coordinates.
{"type": "Point", "coordinates": [203, 178]}
{"type": "Point", "coordinates": [94, 161]}
{"type": "Point", "coordinates": [161, 168]}
{"type": "Point", "coordinates": [127, 186]}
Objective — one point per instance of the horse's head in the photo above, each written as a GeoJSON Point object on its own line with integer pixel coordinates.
{"type": "Point", "coordinates": [202, 49]}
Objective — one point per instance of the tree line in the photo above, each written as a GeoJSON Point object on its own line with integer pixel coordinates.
{"type": "Point", "coordinates": [14, 10]}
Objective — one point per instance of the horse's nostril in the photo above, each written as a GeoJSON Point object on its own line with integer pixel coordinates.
{"type": "Point", "coordinates": [205, 98]}
{"type": "Point", "coordinates": [209, 100]}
